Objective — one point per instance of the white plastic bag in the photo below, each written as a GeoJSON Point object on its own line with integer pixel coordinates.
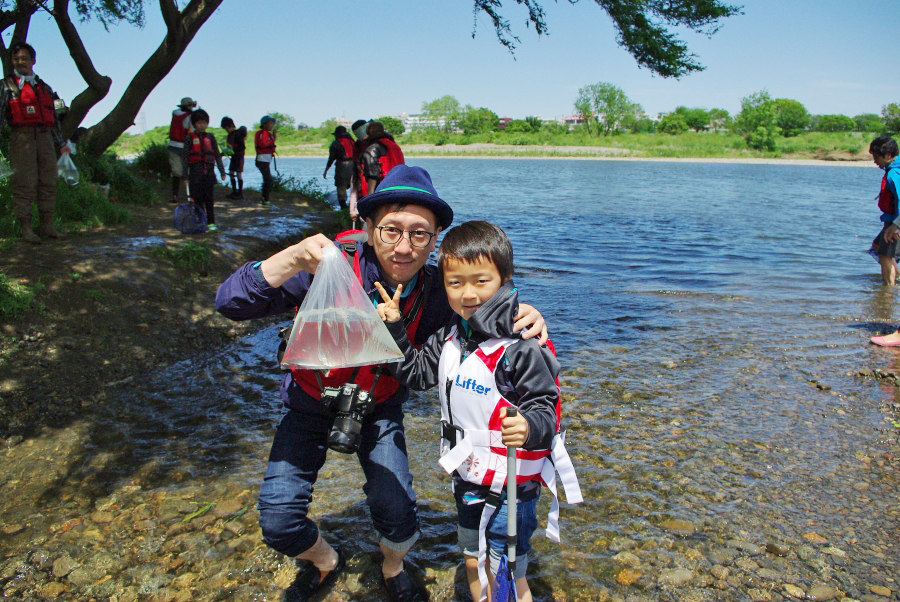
{"type": "Point", "coordinates": [337, 325]}
{"type": "Point", "coordinates": [5, 171]}
{"type": "Point", "coordinates": [67, 170]}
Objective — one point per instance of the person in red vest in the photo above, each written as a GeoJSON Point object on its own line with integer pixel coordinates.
{"type": "Point", "coordinates": [380, 156]}
{"type": "Point", "coordinates": [199, 158]}
{"type": "Point", "coordinates": [342, 151]}
{"type": "Point", "coordinates": [179, 128]}
{"type": "Point", "coordinates": [265, 154]}
{"type": "Point", "coordinates": [27, 104]}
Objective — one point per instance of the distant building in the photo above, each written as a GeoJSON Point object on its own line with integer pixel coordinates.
{"type": "Point", "coordinates": [501, 125]}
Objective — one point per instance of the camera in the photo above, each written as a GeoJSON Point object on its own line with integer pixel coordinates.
{"type": "Point", "coordinates": [349, 405]}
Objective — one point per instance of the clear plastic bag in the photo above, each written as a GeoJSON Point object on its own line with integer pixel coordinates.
{"type": "Point", "coordinates": [337, 325]}
{"type": "Point", "coordinates": [5, 171]}
{"type": "Point", "coordinates": [67, 170]}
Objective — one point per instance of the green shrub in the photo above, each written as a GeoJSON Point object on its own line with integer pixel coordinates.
{"type": "Point", "coordinates": [309, 188]}
{"type": "Point", "coordinates": [125, 185]}
{"type": "Point", "coordinates": [154, 158]}
{"type": "Point", "coordinates": [193, 256]}
{"type": "Point", "coordinates": [15, 299]}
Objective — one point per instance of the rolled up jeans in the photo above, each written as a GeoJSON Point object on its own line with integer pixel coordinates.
{"type": "Point", "coordinates": [32, 157]}
{"type": "Point", "coordinates": [298, 453]}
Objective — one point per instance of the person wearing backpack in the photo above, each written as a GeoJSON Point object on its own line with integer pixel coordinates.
{"type": "Point", "coordinates": [403, 220]}
{"type": "Point", "coordinates": [485, 367]}
{"type": "Point", "coordinates": [200, 156]}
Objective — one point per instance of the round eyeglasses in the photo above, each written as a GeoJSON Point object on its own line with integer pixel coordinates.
{"type": "Point", "coordinates": [417, 238]}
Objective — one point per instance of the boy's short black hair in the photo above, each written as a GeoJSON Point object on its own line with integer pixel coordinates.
{"type": "Point", "coordinates": [884, 145]}
{"type": "Point", "coordinates": [199, 115]}
{"type": "Point", "coordinates": [22, 45]}
{"type": "Point", "coordinates": [227, 122]}
{"type": "Point", "coordinates": [471, 241]}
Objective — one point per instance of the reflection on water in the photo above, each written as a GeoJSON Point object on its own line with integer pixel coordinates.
{"type": "Point", "coordinates": [711, 339]}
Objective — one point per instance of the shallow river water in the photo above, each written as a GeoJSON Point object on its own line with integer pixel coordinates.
{"type": "Point", "coordinates": [725, 414]}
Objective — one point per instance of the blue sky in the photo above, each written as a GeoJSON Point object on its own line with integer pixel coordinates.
{"type": "Point", "coordinates": [364, 59]}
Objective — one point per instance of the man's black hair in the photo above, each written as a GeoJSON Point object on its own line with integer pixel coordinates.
{"type": "Point", "coordinates": [20, 46]}
{"type": "Point", "coordinates": [471, 241]}
{"type": "Point", "coordinates": [227, 122]}
{"type": "Point", "coordinates": [199, 115]}
{"type": "Point", "coordinates": [884, 145]}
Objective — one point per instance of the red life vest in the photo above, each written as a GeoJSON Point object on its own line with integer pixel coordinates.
{"type": "Point", "coordinates": [412, 309]}
{"type": "Point", "coordinates": [201, 150]}
{"type": "Point", "coordinates": [32, 106]}
{"type": "Point", "coordinates": [349, 147]}
{"type": "Point", "coordinates": [886, 201]}
{"type": "Point", "coordinates": [177, 131]}
{"type": "Point", "coordinates": [265, 142]}
{"type": "Point", "coordinates": [392, 158]}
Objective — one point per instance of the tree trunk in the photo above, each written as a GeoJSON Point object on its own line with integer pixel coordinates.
{"type": "Point", "coordinates": [182, 27]}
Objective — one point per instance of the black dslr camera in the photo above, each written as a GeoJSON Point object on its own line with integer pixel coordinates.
{"type": "Point", "coordinates": [349, 405]}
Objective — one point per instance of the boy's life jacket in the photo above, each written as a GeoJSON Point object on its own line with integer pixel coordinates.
{"type": "Point", "coordinates": [265, 142]}
{"type": "Point", "coordinates": [348, 146]}
{"type": "Point", "coordinates": [32, 106]}
{"type": "Point", "coordinates": [471, 438]}
{"type": "Point", "coordinates": [177, 130]}
{"type": "Point", "coordinates": [886, 200]}
{"type": "Point", "coordinates": [392, 158]}
{"type": "Point", "coordinates": [412, 308]}
{"type": "Point", "coordinates": [201, 150]}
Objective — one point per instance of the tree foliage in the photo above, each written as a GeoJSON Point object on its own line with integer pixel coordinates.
{"type": "Point", "coordinates": [891, 116]}
{"type": "Point", "coordinates": [673, 123]}
{"type": "Point", "coordinates": [443, 113]}
{"type": "Point", "coordinates": [642, 26]}
{"type": "Point", "coordinates": [869, 122]}
{"type": "Point", "coordinates": [835, 123]}
{"type": "Point", "coordinates": [478, 121]}
{"type": "Point", "coordinates": [719, 119]}
{"type": "Point", "coordinates": [283, 121]}
{"type": "Point", "coordinates": [696, 119]}
{"type": "Point", "coordinates": [758, 121]}
{"type": "Point", "coordinates": [392, 125]}
{"type": "Point", "coordinates": [792, 117]}
{"type": "Point", "coordinates": [604, 108]}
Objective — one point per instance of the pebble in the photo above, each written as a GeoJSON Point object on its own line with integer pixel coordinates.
{"type": "Point", "coordinates": [822, 593]}
{"type": "Point", "coordinates": [628, 576]}
{"type": "Point", "coordinates": [880, 590]}
{"type": "Point", "coordinates": [676, 577]}
{"type": "Point", "coordinates": [793, 591]}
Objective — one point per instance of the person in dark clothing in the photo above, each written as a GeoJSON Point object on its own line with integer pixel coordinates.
{"type": "Point", "coordinates": [380, 156]}
{"type": "Point", "coordinates": [343, 152]}
{"type": "Point", "coordinates": [236, 141]}
{"type": "Point", "coordinates": [199, 158]}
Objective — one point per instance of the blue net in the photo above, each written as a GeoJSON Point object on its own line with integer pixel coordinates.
{"type": "Point", "coordinates": [190, 218]}
{"type": "Point", "coordinates": [505, 584]}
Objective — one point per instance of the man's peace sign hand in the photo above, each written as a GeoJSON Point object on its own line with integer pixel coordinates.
{"type": "Point", "coordinates": [390, 309]}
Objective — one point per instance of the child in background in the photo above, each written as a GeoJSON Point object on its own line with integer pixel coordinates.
{"type": "Point", "coordinates": [236, 141]}
{"type": "Point", "coordinates": [199, 157]}
{"type": "Point", "coordinates": [483, 367]}
{"type": "Point", "coordinates": [886, 246]}
{"type": "Point", "coordinates": [265, 153]}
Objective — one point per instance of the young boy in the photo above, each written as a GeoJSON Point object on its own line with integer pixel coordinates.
{"type": "Point", "coordinates": [884, 152]}
{"type": "Point", "coordinates": [485, 367]}
{"type": "Point", "coordinates": [198, 159]}
{"type": "Point", "coordinates": [264, 141]}
{"type": "Point", "coordinates": [236, 142]}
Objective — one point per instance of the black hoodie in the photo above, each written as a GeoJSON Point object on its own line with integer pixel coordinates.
{"type": "Point", "coordinates": [526, 375]}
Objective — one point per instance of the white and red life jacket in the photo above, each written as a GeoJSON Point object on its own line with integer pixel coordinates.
{"type": "Point", "coordinates": [471, 403]}
{"type": "Point", "coordinates": [177, 130]}
{"type": "Point", "coordinates": [32, 106]}
{"type": "Point", "coordinates": [264, 141]}
{"type": "Point", "coordinates": [201, 150]}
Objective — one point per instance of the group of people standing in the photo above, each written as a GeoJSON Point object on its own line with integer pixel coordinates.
{"type": "Point", "coordinates": [194, 154]}
{"type": "Point", "coordinates": [361, 164]}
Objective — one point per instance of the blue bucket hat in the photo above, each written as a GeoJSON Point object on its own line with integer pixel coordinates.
{"type": "Point", "coordinates": [409, 185]}
{"type": "Point", "coordinates": [266, 119]}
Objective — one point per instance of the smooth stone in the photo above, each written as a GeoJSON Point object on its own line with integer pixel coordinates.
{"type": "Point", "coordinates": [822, 592]}
{"type": "Point", "coordinates": [676, 577]}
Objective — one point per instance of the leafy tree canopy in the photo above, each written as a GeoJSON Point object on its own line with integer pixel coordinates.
{"type": "Point", "coordinates": [283, 121]}
{"type": "Point", "coordinates": [869, 122]}
{"type": "Point", "coordinates": [478, 121]}
{"type": "Point", "coordinates": [696, 119]}
{"type": "Point", "coordinates": [758, 121]}
{"type": "Point", "coordinates": [604, 108]}
{"type": "Point", "coordinates": [673, 123]}
{"type": "Point", "coordinates": [891, 116]}
{"type": "Point", "coordinates": [518, 126]}
{"type": "Point", "coordinates": [835, 123]}
{"type": "Point", "coordinates": [392, 125]}
{"type": "Point", "coordinates": [443, 113]}
{"type": "Point", "coordinates": [792, 117]}
{"type": "Point", "coordinates": [535, 123]}
{"type": "Point", "coordinates": [719, 119]}
{"type": "Point", "coordinates": [642, 26]}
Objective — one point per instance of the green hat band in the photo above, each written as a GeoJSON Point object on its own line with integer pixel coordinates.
{"type": "Point", "coordinates": [405, 188]}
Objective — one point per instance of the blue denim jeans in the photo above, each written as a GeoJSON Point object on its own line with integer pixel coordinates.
{"type": "Point", "coordinates": [298, 453]}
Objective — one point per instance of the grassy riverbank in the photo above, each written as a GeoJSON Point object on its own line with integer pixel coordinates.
{"type": "Point", "coordinates": [838, 146]}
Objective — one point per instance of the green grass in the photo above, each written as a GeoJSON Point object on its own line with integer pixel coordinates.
{"type": "Point", "coordinates": [15, 298]}
{"type": "Point", "coordinates": [192, 256]}
{"type": "Point", "coordinates": [310, 188]}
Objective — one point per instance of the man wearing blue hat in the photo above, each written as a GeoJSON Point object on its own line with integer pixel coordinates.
{"type": "Point", "coordinates": [403, 220]}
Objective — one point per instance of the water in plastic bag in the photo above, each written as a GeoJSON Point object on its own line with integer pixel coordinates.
{"type": "Point", "coordinates": [337, 325]}
{"type": "Point", "coordinates": [5, 171]}
{"type": "Point", "coordinates": [67, 170]}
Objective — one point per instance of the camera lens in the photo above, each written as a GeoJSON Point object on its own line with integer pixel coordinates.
{"type": "Point", "coordinates": [344, 436]}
